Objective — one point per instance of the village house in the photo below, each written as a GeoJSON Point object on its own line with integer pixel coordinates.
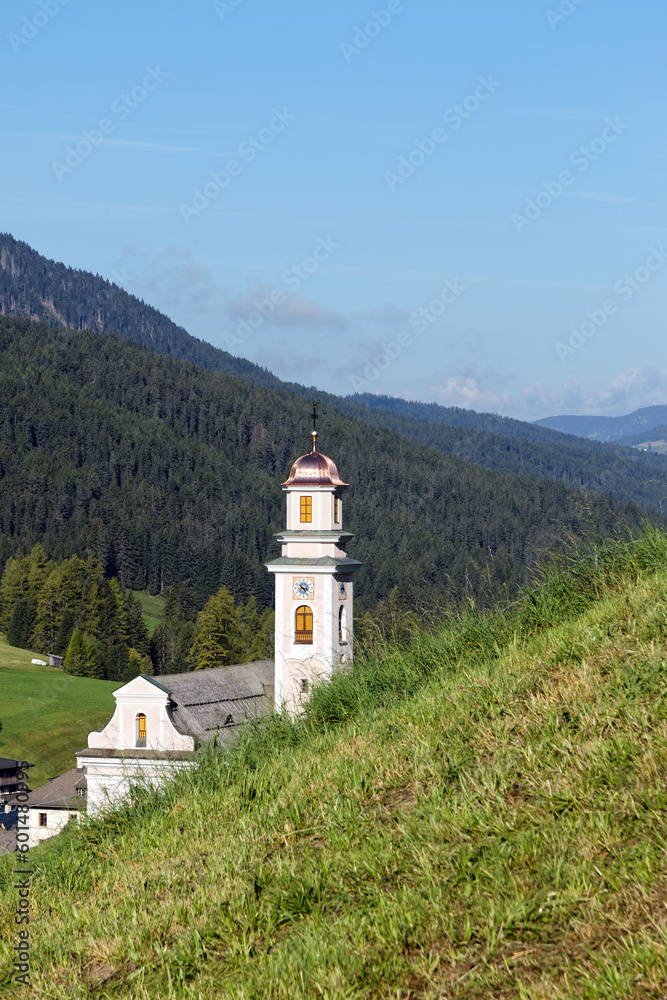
{"type": "Point", "coordinates": [54, 804]}
{"type": "Point", "coordinates": [10, 780]}
{"type": "Point", "coordinates": [12, 775]}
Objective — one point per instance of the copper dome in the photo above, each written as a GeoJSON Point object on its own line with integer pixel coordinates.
{"type": "Point", "coordinates": [314, 469]}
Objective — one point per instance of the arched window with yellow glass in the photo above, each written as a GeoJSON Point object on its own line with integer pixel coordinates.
{"type": "Point", "coordinates": [142, 730]}
{"type": "Point", "coordinates": [303, 633]}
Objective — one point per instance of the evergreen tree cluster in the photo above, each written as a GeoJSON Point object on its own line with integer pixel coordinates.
{"type": "Point", "coordinates": [70, 609]}
{"type": "Point", "coordinates": [169, 476]}
{"type": "Point", "coordinates": [219, 634]}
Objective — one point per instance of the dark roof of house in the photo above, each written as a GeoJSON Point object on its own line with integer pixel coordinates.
{"type": "Point", "coordinates": [206, 703]}
{"type": "Point", "coordinates": [60, 792]}
{"type": "Point", "coordinates": [6, 763]}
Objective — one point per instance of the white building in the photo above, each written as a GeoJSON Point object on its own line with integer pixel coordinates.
{"type": "Point", "coordinates": [314, 581]}
{"type": "Point", "coordinates": [159, 724]}
{"type": "Point", "coordinates": [52, 806]}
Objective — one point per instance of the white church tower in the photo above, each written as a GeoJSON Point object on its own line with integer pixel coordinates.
{"type": "Point", "coordinates": [314, 575]}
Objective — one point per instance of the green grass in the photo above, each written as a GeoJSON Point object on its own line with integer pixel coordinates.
{"type": "Point", "coordinates": [152, 607]}
{"type": "Point", "coordinates": [482, 814]}
{"type": "Point", "coordinates": [46, 715]}
{"type": "Point", "coordinates": [12, 658]}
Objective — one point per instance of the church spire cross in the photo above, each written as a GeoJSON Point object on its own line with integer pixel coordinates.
{"type": "Point", "coordinates": [314, 434]}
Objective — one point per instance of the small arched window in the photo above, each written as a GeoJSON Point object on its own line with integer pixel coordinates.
{"type": "Point", "coordinates": [342, 626]}
{"type": "Point", "coordinates": [142, 731]}
{"type": "Point", "coordinates": [304, 626]}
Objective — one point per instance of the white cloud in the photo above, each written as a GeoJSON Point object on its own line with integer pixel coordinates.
{"type": "Point", "coordinates": [630, 390]}
{"type": "Point", "coordinates": [467, 391]}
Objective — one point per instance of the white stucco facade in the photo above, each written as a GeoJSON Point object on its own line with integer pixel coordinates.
{"type": "Point", "coordinates": [110, 777]}
{"type": "Point", "coordinates": [145, 697]}
{"type": "Point", "coordinates": [139, 745]}
{"type": "Point", "coordinates": [45, 823]}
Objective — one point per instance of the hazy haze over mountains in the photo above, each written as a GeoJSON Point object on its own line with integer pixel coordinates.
{"type": "Point", "coordinates": [609, 428]}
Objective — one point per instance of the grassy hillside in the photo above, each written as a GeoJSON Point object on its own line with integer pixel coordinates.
{"type": "Point", "coordinates": [46, 715]}
{"type": "Point", "coordinates": [482, 814]}
{"type": "Point", "coordinates": [152, 607]}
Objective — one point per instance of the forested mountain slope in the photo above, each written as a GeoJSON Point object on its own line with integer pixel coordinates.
{"type": "Point", "coordinates": [522, 448]}
{"type": "Point", "coordinates": [609, 428]}
{"type": "Point", "coordinates": [170, 474]}
{"type": "Point", "coordinates": [32, 285]}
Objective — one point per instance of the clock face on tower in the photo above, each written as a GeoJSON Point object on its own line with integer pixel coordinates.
{"type": "Point", "coordinates": [303, 588]}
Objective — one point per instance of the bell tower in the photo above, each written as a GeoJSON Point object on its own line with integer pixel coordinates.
{"type": "Point", "coordinates": [314, 574]}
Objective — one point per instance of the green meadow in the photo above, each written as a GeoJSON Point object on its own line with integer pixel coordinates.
{"type": "Point", "coordinates": [152, 607]}
{"type": "Point", "coordinates": [479, 813]}
{"type": "Point", "coordinates": [46, 715]}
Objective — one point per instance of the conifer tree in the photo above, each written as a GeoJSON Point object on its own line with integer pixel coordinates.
{"type": "Point", "coordinates": [67, 623]}
{"type": "Point", "coordinates": [20, 625]}
{"type": "Point", "coordinates": [137, 664]}
{"type": "Point", "coordinates": [49, 616]}
{"type": "Point", "coordinates": [93, 659]}
{"type": "Point", "coordinates": [74, 661]}
{"type": "Point", "coordinates": [218, 633]}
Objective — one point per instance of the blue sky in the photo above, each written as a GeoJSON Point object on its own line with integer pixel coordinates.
{"type": "Point", "coordinates": [454, 203]}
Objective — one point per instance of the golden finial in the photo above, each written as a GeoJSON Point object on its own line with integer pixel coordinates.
{"type": "Point", "coordinates": [314, 435]}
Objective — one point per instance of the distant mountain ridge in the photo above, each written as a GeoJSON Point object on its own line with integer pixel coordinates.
{"type": "Point", "coordinates": [41, 289]}
{"type": "Point", "coordinates": [609, 428]}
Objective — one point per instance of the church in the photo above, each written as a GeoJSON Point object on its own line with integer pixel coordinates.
{"type": "Point", "coordinates": [160, 722]}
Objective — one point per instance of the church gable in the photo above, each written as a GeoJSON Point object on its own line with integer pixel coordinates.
{"type": "Point", "coordinates": [142, 720]}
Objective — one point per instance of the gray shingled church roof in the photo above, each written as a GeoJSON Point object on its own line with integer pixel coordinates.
{"type": "Point", "coordinates": [208, 703]}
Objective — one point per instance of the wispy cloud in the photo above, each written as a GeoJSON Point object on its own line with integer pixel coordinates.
{"type": "Point", "coordinates": [630, 390]}
{"type": "Point", "coordinates": [135, 143]}
{"type": "Point", "coordinates": [602, 196]}
{"type": "Point", "coordinates": [295, 310]}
